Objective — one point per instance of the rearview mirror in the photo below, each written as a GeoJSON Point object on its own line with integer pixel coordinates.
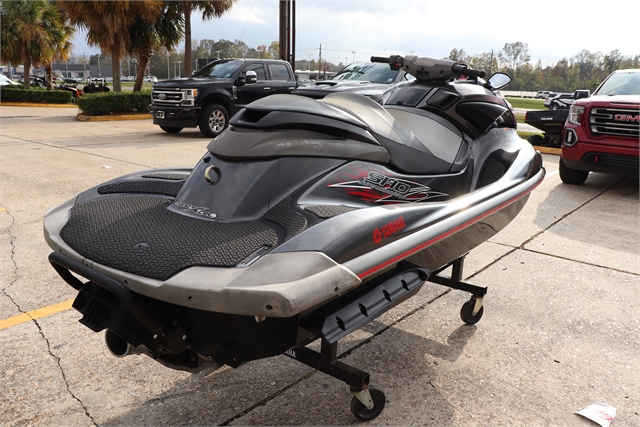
{"type": "Point", "coordinates": [499, 80]}
{"type": "Point", "coordinates": [582, 93]}
{"type": "Point", "coordinates": [250, 77]}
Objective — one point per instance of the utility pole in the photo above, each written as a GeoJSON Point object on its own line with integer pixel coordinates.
{"type": "Point", "coordinates": [320, 59]}
{"type": "Point", "coordinates": [491, 63]}
{"type": "Point", "coordinates": [293, 34]}
{"type": "Point", "coordinates": [287, 31]}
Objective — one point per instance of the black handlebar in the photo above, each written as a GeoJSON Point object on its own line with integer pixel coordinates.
{"type": "Point", "coordinates": [464, 70]}
{"type": "Point", "coordinates": [396, 62]}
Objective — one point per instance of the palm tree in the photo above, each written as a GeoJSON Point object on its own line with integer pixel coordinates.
{"type": "Point", "coordinates": [33, 33]}
{"type": "Point", "coordinates": [210, 9]}
{"type": "Point", "coordinates": [166, 31]}
{"type": "Point", "coordinates": [108, 25]}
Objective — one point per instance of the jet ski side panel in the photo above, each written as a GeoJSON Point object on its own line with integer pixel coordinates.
{"type": "Point", "coordinates": [238, 191]}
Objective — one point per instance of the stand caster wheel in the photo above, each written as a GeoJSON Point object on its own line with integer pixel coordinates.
{"type": "Point", "coordinates": [361, 412]}
{"type": "Point", "coordinates": [466, 312]}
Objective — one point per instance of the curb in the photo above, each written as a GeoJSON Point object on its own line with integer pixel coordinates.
{"type": "Point", "coordinates": [135, 116]}
{"type": "Point", "coordinates": [83, 117]}
{"type": "Point", "coordinates": [27, 104]}
{"type": "Point", "coordinates": [548, 150]}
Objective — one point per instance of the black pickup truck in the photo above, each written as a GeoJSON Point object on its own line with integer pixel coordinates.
{"type": "Point", "coordinates": [216, 92]}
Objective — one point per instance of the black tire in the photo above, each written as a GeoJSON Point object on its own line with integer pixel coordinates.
{"type": "Point", "coordinates": [554, 106]}
{"type": "Point", "coordinates": [170, 129]}
{"type": "Point", "coordinates": [572, 176]}
{"type": "Point", "coordinates": [361, 412]}
{"type": "Point", "coordinates": [214, 118]}
{"type": "Point", "coordinates": [536, 140]}
{"type": "Point", "coordinates": [466, 312]}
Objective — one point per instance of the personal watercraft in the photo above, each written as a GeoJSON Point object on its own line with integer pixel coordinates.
{"type": "Point", "coordinates": [305, 220]}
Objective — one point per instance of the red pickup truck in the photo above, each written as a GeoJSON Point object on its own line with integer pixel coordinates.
{"type": "Point", "coordinates": [602, 132]}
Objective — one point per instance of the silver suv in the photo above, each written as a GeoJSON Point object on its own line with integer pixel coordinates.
{"type": "Point", "coordinates": [559, 100]}
{"type": "Point", "coordinates": [544, 94]}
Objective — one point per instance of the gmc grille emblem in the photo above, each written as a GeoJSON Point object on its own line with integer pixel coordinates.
{"type": "Point", "coordinates": [627, 118]}
{"type": "Point", "coordinates": [163, 96]}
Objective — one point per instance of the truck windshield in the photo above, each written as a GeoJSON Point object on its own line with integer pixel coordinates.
{"type": "Point", "coordinates": [621, 84]}
{"type": "Point", "coordinates": [366, 71]}
{"type": "Point", "coordinates": [220, 69]}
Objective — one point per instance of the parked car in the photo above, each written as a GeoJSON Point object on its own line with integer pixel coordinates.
{"type": "Point", "coordinates": [6, 81]}
{"type": "Point", "coordinates": [602, 132]}
{"type": "Point", "coordinates": [365, 78]}
{"type": "Point", "coordinates": [151, 79]}
{"type": "Point", "coordinates": [559, 100]}
{"type": "Point", "coordinates": [544, 94]}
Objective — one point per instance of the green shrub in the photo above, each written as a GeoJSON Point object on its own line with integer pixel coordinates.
{"type": "Point", "coordinates": [96, 104]}
{"type": "Point", "coordinates": [37, 96]}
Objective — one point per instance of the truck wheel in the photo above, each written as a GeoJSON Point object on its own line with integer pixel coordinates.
{"type": "Point", "coordinates": [170, 129]}
{"type": "Point", "coordinates": [572, 176]}
{"type": "Point", "coordinates": [213, 120]}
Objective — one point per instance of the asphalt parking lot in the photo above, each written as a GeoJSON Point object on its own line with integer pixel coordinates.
{"type": "Point", "coordinates": [561, 327]}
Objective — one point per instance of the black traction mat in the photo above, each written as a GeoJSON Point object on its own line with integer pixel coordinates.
{"type": "Point", "coordinates": [328, 211]}
{"type": "Point", "coordinates": [139, 235]}
{"type": "Point", "coordinates": [170, 188]}
{"type": "Point", "coordinates": [293, 222]}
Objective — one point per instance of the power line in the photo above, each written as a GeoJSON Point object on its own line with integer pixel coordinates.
{"type": "Point", "coordinates": [247, 21]}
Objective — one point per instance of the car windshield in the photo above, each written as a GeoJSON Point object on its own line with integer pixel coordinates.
{"type": "Point", "coordinates": [220, 69]}
{"type": "Point", "coordinates": [366, 71]}
{"type": "Point", "coordinates": [3, 78]}
{"type": "Point", "coordinates": [621, 84]}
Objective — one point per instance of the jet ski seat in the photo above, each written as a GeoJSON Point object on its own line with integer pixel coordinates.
{"type": "Point", "coordinates": [342, 125]}
{"type": "Point", "coordinates": [408, 152]}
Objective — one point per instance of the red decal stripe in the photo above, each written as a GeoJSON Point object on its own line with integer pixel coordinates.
{"type": "Point", "coordinates": [442, 236]}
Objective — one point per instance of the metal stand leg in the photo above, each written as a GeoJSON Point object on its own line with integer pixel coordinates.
{"type": "Point", "coordinates": [471, 312]}
{"type": "Point", "coordinates": [455, 281]}
{"type": "Point", "coordinates": [326, 362]}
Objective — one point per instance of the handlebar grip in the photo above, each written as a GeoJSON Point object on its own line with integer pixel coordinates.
{"type": "Point", "coordinates": [466, 71]}
{"type": "Point", "coordinates": [476, 73]}
{"type": "Point", "coordinates": [381, 59]}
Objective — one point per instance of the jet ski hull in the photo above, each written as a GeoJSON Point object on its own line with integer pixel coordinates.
{"type": "Point", "coordinates": [305, 220]}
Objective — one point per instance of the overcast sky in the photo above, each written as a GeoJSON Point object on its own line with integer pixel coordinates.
{"type": "Point", "coordinates": [553, 29]}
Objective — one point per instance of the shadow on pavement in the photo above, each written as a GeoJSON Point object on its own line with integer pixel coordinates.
{"type": "Point", "coordinates": [396, 361]}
